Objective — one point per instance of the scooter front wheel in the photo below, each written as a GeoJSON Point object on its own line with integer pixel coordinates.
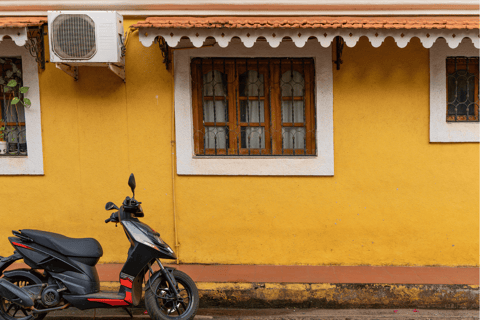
{"type": "Point", "coordinates": [163, 304]}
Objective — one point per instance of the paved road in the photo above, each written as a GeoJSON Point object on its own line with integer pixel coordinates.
{"type": "Point", "coordinates": [280, 314]}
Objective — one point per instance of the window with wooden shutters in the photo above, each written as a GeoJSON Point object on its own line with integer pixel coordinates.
{"type": "Point", "coordinates": [462, 89]}
{"type": "Point", "coordinates": [253, 106]}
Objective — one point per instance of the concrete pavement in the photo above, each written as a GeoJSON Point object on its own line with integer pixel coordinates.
{"type": "Point", "coordinates": [274, 314]}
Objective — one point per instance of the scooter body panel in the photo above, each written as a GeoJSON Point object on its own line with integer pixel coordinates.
{"type": "Point", "coordinates": [79, 278]}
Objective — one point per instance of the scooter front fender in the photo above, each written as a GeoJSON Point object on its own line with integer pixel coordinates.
{"type": "Point", "coordinates": [157, 275]}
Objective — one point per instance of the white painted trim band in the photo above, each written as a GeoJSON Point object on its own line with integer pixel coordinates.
{"type": "Point", "coordinates": [33, 163]}
{"type": "Point", "coordinates": [212, 13]}
{"type": "Point", "coordinates": [440, 129]}
{"type": "Point", "coordinates": [320, 165]}
{"type": "Point", "coordinates": [300, 36]}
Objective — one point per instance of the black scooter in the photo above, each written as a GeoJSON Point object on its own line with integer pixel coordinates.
{"type": "Point", "coordinates": [70, 278]}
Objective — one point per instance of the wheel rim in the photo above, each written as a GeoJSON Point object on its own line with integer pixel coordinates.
{"type": "Point", "coordinates": [169, 304]}
{"type": "Point", "coordinates": [12, 311]}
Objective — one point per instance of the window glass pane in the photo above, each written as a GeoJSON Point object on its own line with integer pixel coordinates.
{"type": "Point", "coordinates": [251, 84]}
{"type": "Point", "coordinates": [293, 138]}
{"type": "Point", "coordinates": [252, 111]}
{"type": "Point", "coordinates": [215, 137]}
{"type": "Point", "coordinates": [293, 112]}
{"type": "Point", "coordinates": [253, 137]}
{"type": "Point", "coordinates": [292, 84]}
{"type": "Point", "coordinates": [215, 111]}
{"type": "Point", "coordinates": [214, 84]}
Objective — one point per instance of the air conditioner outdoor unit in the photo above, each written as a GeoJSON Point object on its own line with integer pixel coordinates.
{"type": "Point", "coordinates": [86, 38]}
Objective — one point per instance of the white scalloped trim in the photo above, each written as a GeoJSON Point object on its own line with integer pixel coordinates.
{"type": "Point", "coordinates": [300, 36]}
{"type": "Point", "coordinates": [18, 35]}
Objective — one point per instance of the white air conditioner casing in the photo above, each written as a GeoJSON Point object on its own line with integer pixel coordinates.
{"type": "Point", "coordinates": [86, 38]}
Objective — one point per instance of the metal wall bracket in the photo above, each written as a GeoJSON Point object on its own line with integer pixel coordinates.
{"type": "Point", "coordinates": [339, 50]}
{"type": "Point", "coordinates": [118, 70]}
{"type": "Point", "coordinates": [36, 44]}
{"type": "Point", "coordinates": [165, 51]}
{"type": "Point", "coordinates": [70, 70]}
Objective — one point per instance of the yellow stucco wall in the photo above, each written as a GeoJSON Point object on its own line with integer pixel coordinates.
{"type": "Point", "coordinates": [395, 199]}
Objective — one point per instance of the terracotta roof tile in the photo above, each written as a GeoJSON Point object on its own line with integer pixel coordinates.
{"type": "Point", "coordinates": [21, 22]}
{"type": "Point", "coordinates": [440, 22]}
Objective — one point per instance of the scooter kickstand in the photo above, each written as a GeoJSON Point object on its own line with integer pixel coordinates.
{"type": "Point", "coordinates": [128, 311]}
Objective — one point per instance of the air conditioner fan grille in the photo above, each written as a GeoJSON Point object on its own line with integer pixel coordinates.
{"type": "Point", "coordinates": [74, 36]}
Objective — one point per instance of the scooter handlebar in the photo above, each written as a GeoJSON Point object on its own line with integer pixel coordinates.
{"type": "Point", "coordinates": [113, 218]}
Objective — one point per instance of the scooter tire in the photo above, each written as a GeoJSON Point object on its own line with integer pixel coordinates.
{"type": "Point", "coordinates": [158, 309]}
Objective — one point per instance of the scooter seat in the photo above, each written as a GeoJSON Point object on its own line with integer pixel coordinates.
{"type": "Point", "coordinates": [70, 247]}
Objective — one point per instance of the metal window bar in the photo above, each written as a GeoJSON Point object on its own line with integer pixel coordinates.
{"type": "Point", "coordinates": [465, 77]}
{"type": "Point", "coordinates": [293, 106]}
{"type": "Point", "coordinates": [303, 110]}
{"type": "Point", "coordinates": [259, 112]}
{"type": "Point", "coordinates": [203, 109]}
{"type": "Point", "coordinates": [214, 107]}
{"type": "Point", "coordinates": [225, 106]}
{"type": "Point", "coordinates": [248, 106]}
{"type": "Point", "coordinates": [14, 133]}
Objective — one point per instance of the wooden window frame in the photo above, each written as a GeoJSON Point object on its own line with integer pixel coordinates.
{"type": "Point", "coordinates": [271, 69]}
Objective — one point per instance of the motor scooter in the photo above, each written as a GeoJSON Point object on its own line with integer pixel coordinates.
{"type": "Point", "coordinates": [70, 279]}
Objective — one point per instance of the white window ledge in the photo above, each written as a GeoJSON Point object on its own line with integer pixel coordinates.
{"type": "Point", "coordinates": [440, 129]}
{"type": "Point", "coordinates": [319, 165]}
{"type": "Point", "coordinates": [33, 163]}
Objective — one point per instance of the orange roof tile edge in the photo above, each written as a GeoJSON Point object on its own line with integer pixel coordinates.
{"type": "Point", "coordinates": [440, 22]}
{"type": "Point", "coordinates": [22, 22]}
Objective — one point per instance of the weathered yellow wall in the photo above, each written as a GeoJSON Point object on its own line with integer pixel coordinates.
{"type": "Point", "coordinates": [395, 199]}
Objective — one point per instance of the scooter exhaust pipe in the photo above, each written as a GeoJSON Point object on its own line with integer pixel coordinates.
{"type": "Point", "coordinates": [15, 294]}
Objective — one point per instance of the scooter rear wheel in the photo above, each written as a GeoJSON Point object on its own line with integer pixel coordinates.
{"type": "Point", "coordinates": [162, 304]}
{"type": "Point", "coordinates": [12, 311]}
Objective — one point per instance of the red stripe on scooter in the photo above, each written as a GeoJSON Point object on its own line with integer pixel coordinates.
{"type": "Point", "coordinates": [112, 302]}
{"type": "Point", "coordinates": [126, 283]}
{"type": "Point", "coordinates": [21, 245]}
{"type": "Point", "coordinates": [128, 297]}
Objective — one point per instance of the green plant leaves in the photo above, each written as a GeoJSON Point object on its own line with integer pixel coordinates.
{"type": "Point", "coordinates": [27, 102]}
{"type": "Point", "coordinates": [12, 83]}
{"type": "Point", "coordinates": [24, 89]}
{"type": "Point", "coordinates": [15, 100]}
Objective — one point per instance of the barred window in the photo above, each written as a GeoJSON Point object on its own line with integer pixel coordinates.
{"type": "Point", "coordinates": [462, 89]}
{"type": "Point", "coordinates": [250, 106]}
{"type": "Point", "coordinates": [12, 115]}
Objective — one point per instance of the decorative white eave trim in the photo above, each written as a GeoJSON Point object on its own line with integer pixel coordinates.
{"type": "Point", "coordinates": [300, 36]}
{"type": "Point", "coordinates": [18, 35]}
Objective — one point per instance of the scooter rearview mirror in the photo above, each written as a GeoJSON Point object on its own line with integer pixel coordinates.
{"type": "Point", "coordinates": [132, 184]}
{"type": "Point", "coordinates": [110, 206]}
